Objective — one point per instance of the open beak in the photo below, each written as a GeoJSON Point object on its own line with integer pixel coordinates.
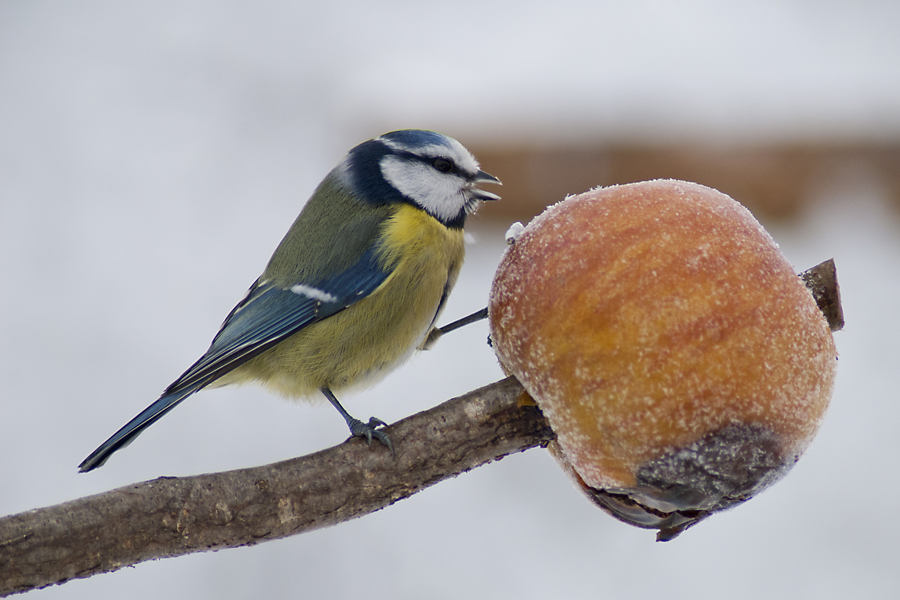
{"type": "Point", "coordinates": [482, 177]}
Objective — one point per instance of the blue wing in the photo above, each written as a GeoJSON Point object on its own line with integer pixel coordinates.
{"type": "Point", "coordinates": [266, 316]}
{"type": "Point", "coordinates": [270, 313]}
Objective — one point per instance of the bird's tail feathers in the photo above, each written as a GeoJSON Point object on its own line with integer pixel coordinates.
{"type": "Point", "coordinates": [134, 427]}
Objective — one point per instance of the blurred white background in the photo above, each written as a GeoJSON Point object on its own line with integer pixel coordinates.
{"type": "Point", "coordinates": [152, 154]}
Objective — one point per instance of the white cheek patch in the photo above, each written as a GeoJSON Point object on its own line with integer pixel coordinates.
{"type": "Point", "coordinates": [313, 293]}
{"type": "Point", "coordinates": [440, 194]}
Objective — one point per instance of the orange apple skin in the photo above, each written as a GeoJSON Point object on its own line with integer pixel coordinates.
{"type": "Point", "coordinates": [644, 317]}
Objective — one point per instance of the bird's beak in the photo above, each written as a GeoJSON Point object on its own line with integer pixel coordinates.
{"type": "Point", "coordinates": [482, 177]}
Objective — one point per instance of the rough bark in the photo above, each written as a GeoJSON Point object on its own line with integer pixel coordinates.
{"type": "Point", "coordinates": [173, 516]}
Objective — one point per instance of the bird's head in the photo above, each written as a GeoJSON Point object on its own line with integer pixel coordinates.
{"type": "Point", "coordinates": [430, 170]}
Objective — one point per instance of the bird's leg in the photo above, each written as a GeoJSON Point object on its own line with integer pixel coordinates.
{"type": "Point", "coordinates": [473, 318]}
{"type": "Point", "coordinates": [357, 427]}
{"type": "Point", "coordinates": [437, 332]}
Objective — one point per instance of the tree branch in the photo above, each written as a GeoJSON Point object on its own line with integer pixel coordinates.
{"type": "Point", "coordinates": [822, 282]}
{"type": "Point", "coordinates": [174, 516]}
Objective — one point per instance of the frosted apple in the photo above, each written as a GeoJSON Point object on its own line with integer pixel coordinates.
{"type": "Point", "coordinates": [680, 360]}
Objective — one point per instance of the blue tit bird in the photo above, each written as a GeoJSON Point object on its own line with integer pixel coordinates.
{"type": "Point", "coordinates": [353, 289]}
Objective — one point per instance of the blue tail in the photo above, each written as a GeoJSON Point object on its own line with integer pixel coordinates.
{"type": "Point", "coordinates": [134, 427]}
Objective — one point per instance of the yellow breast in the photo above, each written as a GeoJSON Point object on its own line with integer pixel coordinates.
{"type": "Point", "coordinates": [366, 341]}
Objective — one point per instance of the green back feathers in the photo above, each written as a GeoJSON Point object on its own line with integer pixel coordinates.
{"type": "Point", "coordinates": [330, 235]}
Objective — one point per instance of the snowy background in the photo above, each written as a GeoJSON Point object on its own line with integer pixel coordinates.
{"type": "Point", "coordinates": [152, 154]}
